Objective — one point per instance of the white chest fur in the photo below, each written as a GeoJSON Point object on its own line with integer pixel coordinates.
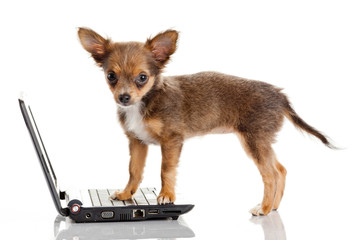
{"type": "Point", "coordinates": [134, 123]}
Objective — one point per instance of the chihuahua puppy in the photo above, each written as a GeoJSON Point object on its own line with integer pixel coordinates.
{"type": "Point", "coordinates": [154, 109]}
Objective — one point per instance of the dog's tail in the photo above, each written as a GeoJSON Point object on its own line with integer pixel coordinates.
{"type": "Point", "coordinates": [302, 125]}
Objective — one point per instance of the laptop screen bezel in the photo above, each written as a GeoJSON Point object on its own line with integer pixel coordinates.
{"type": "Point", "coordinates": [42, 156]}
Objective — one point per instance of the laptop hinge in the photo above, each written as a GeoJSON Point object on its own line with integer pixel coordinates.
{"type": "Point", "coordinates": [62, 195]}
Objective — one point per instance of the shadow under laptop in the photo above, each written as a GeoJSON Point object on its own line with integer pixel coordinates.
{"type": "Point", "coordinates": [64, 228]}
{"type": "Point", "coordinates": [272, 226]}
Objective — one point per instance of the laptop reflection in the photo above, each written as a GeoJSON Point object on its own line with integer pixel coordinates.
{"type": "Point", "coordinates": [67, 229]}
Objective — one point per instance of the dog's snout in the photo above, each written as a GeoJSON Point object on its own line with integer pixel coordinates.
{"type": "Point", "coordinates": [124, 98]}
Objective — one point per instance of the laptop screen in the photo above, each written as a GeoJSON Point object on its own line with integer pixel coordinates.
{"type": "Point", "coordinates": [42, 154]}
{"type": "Point", "coordinates": [42, 149]}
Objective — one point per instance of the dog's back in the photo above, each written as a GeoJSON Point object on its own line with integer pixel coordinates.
{"type": "Point", "coordinates": [210, 101]}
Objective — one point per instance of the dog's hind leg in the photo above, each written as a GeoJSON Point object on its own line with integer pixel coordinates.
{"type": "Point", "coordinates": [280, 184]}
{"type": "Point", "coordinates": [264, 157]}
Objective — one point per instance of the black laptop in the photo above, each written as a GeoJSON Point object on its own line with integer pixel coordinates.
{"type": "Point", "coordinates": [94, 205]}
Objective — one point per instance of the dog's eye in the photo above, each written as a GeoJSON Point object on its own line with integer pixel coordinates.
{"type": "Point", "coordinates": [111, 76]}
{"type": "Point", "coordinates": [141, 79]}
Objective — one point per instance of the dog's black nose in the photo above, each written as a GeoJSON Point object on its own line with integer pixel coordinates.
{"type": "Point", "coordinates": [124, 98]}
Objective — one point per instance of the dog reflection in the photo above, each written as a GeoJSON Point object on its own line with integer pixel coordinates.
{"type": "Point", "coordinates": [272, 226]}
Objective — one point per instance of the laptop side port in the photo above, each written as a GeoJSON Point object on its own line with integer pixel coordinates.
{"type": "Point", "coordinates": [107, 214]}
{"type": "Point", "coordinates": [153, 211]}
{"type": "Point", "coordinates": [172, 211]}
{"type": "Point", "coordinates": [138, 213]}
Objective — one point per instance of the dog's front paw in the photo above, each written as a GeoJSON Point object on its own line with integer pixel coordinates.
{"type": "Point", "coordinates": [166, 198]}
{"type": "Point", "coordinates": [120, 195]}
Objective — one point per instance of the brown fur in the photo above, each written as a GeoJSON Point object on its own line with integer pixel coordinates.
{"type": "Point", "coordinates": [175, 108]}
{"type": "Point", "coordinates": [138, 152]}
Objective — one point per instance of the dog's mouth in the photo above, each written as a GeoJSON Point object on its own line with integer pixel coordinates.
{"type": "Point", "coordinates": [122, 106]}
{"type": "Point", "coordinates": [129, 106]}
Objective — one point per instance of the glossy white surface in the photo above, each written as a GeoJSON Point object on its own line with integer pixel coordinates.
{"type": "Point", "coordinates": [309, 48]}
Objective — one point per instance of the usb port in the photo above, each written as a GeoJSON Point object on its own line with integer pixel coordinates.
{"type": "Point", "coordinates": [153, 211]}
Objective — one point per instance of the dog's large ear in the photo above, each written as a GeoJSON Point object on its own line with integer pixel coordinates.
{"type": "Point", "coordinates": [162, 46]}
{"type": "Point", "coordinates": [95, 44]}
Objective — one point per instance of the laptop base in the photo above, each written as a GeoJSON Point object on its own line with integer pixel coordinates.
{"type": "Point", "coordinates": [129, 213]}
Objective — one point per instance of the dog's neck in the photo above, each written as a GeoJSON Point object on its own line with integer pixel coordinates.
{"type": "Point", "coordinates": [132, 121]}
{"type": "Point", "coordinates": [132, 116]}
{"type": "Point", "coordinates": [158, 86]}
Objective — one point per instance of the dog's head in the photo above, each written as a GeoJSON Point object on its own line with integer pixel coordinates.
{"type": "Point", "coordinates": [130, 68]}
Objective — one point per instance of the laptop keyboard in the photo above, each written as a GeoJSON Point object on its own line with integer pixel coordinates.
{"type": "Point", "coordinates": [100, 197]}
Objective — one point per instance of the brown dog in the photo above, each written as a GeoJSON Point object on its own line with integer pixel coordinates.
{"type": "Point", "coordinates": [154, 109]}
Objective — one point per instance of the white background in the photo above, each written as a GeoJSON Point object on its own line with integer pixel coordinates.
{"type": "Point", "coordinates": [309, 48]}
